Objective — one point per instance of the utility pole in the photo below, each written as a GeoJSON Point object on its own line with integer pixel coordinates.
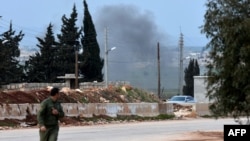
{"type": "Point", "coordinates": [76, 66]}
{"type": "Point", "coordinates": [106, 58]}
{"type": "Point", "coordinates": [159, 74]}
{"type": "Point", "coordinates": [181, 64]}
{"type": "Point", "coordinates": [106, 51]}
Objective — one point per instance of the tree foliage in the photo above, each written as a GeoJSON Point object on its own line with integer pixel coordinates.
{"type": "Point", "coordinates": [192, 70]}
{"type": "Point", "coordinates": [68, 43]}
{"type": "Point", "coordinates": [42, 66]}
{"type": "Point", "coordinates": [56, 56]}
{"type": "Point", "coordinates": [227, 25]}
{"type": "Point", "coordinates": [92, 64]}
{"type": "Point", "coordinates": [11, 71]}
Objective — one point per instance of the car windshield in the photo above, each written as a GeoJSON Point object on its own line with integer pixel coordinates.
{"type": "Point", "coordinates": [177, 98]}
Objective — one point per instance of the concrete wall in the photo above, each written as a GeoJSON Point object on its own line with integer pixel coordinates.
{"type": "Point", "coordinates": [202, 109]}
{"type": "Point", "coordinates": [200, 89]}
{"type": "Point", "coordinates": [17, 111]}
{"type": "Point", "coordinates": [111, 109]}
{"type": "Point", "coordinates": [20, 111]}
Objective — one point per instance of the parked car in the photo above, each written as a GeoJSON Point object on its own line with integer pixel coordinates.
{"type": "Point", "coordinates": [182, 100]}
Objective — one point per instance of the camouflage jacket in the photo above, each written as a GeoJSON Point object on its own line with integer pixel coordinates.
{"type": "Point", "coordinates": [45, 116]}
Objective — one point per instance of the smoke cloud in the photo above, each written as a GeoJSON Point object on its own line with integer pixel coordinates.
{"type": "Point", "coordinates": [135, 35]}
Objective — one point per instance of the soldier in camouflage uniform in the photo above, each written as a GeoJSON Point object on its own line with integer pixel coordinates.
{"type": "Point", "coordinates": [48, 116]}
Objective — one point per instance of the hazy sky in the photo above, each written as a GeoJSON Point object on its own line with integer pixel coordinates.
{"type": "Point", "coordinates": [33, 16]}
{"type": "Point", "coordinates": [134, 27]}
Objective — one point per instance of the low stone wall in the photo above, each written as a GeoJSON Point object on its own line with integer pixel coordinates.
{"type": "Point", "coordinates": [30, 86]}
{"type": "Point", "coordinates": [202, 109]}
{"type": "Point", "coordinates": [34, 86]}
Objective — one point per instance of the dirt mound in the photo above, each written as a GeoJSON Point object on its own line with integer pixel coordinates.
{"type": "Point", "coordinates": [124, 94]}
{"type": "Point", "coordinates": [34, 96]}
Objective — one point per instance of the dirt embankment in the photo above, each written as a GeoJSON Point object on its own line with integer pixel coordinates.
{"type": "Point", "coordinates": [123, 94]}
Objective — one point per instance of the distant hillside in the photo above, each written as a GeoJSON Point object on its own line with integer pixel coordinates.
{"type": "Point", "coordinates": [144, 73]}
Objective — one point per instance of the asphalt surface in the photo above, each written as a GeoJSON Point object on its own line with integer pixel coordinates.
{"type": "Point", "coordinates": [140, 131]}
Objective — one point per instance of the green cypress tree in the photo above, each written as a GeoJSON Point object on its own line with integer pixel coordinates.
{"type": "Point", "coordinates": [187, 89]}
{"type": "Point", "coordinates": [92, 63]}
{"type": "Point", "coordinates": [11, 71]}
{"type": "Point", "coordinates": [196, 68]}
{"type": "Point", "coordinates": [191, 71]}
{"type": "Point", "coordinates": [42, 67]}
{"type": "Point", "coordinates": [227, 25]}
{"type": "Point", "coordinates": [32, 69]}
{"type": "Point", "coordinates": [68, 43]}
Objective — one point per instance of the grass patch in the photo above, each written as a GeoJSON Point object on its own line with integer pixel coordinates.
{"type": "Point", "coordinates": [9, 123]}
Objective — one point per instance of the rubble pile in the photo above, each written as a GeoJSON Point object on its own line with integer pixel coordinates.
{"type": "Point", "coordinates": [181, 111]}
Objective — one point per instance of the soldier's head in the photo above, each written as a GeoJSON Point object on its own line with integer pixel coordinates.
{"type": "Point", "coordinates": [54, 91]}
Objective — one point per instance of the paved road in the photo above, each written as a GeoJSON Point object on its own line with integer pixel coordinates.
{"type": "Point", "coordinates": [143, 131]}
